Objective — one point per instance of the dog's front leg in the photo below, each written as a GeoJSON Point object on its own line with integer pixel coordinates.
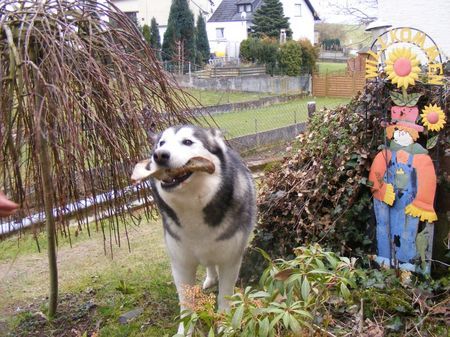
{"type": "Point", "coordinates": [228, 274]}
{"type": "Point", "coordinates": [211, 277]}
{"type": "Point", "coordinates": [184, 277]}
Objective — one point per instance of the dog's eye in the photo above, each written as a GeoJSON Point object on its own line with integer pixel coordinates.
{"type": "Point", "coordinates": [187, 142]}
{"type": "Point", "coordinates": [161, 143]}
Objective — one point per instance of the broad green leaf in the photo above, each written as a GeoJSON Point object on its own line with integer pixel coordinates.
{"type": "Point", "coordinates": [319, 263]}
{"type": "Point", "coordinates": [306, 288]}
{"type": "Point", "coordinates": [276, 320]}
{"type": "Point", "coordinates": [286, 320]}
{"type": "Point", "coordinates": [332, 259]}
{"type": "Point", "coordinates": [431, 142]}
{"type": "Point", "coordinates": [345, 259]}
{"type": "Point", "coordinates": [397, 98]}
{"type": "Point", "coordinates": [264, 254]}
{"type": "Point", "coordinates": [303, 313]}
{"type": "Point", "coordinates": [259, 294]}
{"type": "Point", "coordinates": [412, 99]}
{"type": "Point", "coordinates": [295, 326]}
{"type": "Point", "coordinates": [344, 291]}
{"type": "Point", "coordinates": [211, 332]}
{"type": "Point", "coordinates": [318, 271]}
{"type": "Point", "coordinates": [237, 318]}
{"type": "Point", "coordinates": [264, 327]}
{"type": "Point", "coordinates": [421, 245]}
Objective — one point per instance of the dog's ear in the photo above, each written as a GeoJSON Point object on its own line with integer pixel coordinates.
{"type": "Point", "coordinates": [218, 140]}
{"type": "Point", "coordinates": [153, 137]}
{"type": "Point", "coordinates": [216, 133]}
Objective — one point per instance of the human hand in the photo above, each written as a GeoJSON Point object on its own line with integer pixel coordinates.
{"type": "Point", "coordinates": [7, 207]}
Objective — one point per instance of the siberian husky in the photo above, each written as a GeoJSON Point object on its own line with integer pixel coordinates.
{"type": "Point", "coordinates": [207, 214]}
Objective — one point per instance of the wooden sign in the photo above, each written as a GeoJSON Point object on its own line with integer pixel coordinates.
{"type": "Point", "coordinates": [406, 53]}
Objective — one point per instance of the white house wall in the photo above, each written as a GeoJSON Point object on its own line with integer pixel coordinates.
{"type": "Point", "coordinates": [301, 21]}
{"type": "Point", "coordinates": [233, 33]}
{"type": "Point", "coordinates": [159, 9]}
{"type": "Point", "coordinates": [432, 17]}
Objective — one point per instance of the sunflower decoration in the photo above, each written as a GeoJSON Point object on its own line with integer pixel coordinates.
{"type": "Point", "coordinates": [433, 118]}
{"type": "Point", "coordinates": [402, 67]}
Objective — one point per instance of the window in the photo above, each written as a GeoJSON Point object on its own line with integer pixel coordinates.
{"type": "Point", "coordinates": [245, 8]}
{"type": "Point", "coordinates": [219, 33]}
{"type": "Point", "coordinates": [132, 16]}
{"type": "Point", "coordinates": [298, 10]}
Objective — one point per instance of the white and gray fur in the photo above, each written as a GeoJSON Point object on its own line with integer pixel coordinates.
{"type": "Point", "coordinates": [208, 217]}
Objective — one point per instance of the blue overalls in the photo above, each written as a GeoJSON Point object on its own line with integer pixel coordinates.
{"type": "Point", "coordinates": [403, 227]}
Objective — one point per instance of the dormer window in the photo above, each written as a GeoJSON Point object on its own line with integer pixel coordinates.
{"type": "Point", "coordinates": [245, 8]}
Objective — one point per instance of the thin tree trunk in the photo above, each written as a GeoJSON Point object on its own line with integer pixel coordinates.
{"type": "Point", "coordinates": [50, 224]}
{"type": "Point", "coordinates": [46, 180]}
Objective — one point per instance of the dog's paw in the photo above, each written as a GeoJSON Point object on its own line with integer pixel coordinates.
{"type": "Point", "coordinates": [210, 282]}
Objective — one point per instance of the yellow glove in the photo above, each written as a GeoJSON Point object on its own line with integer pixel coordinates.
{"type": "Point", "coordinates": [389, 195]}
{"type": "Point", "coordinates": [417, 212]}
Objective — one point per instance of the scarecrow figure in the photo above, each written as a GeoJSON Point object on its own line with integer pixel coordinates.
{"type": "Point", "coordinates": [404, 185]}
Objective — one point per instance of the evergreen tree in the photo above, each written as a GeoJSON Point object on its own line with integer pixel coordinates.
{"type": "Point", "coordinates": [155, 39]}
{"type": "Point", "coordinates": [179, 38]}
{"type": "Point", "coordinates": [201, 42]}
{"type": "Point", "coordinates": [146, 33]}
{"type": "Point", "coordinates": [269, 19]}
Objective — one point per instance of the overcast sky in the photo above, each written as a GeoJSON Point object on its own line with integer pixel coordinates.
{"type": "Point", "coordinates": [329, 9]}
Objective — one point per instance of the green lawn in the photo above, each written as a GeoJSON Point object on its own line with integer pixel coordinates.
{"type": "Point", "coordinates": [89, 276]}
{"type": "Point", "coordinates": [331, 67]}
{"type": "Point", "coordinates": [209, 97]}
{"type": "Point", "coordinates": [243, 122]}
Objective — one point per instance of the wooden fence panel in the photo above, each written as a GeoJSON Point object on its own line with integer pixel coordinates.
{"type": "Point", "coordinates": [338, 85]}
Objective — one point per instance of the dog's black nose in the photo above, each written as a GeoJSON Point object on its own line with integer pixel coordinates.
{"type": "Point", "coordinates": [161, 157]}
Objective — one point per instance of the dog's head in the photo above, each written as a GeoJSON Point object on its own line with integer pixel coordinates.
{"type": "Point", "coordinates": [177, 145]}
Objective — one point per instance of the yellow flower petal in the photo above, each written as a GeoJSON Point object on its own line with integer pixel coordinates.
{"type": "Point", "coordinates": [409, 79]}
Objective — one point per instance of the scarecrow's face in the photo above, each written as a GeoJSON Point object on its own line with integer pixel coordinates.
{"type": "Point", "coordinates": [403, 138]}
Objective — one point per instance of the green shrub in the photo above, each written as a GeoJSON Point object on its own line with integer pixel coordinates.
{"type": "Point", "coordinates": [267, 52]}
{"type": "Point", "coordinates": [319, 293]}
{"type": "Point", "coordinates": [290, 58]}
{"type": "Point", "coordinates": [310, 54]}
{"type": "Point", "coordinates": [290, 297]}
{"type": "Point", "coordinates": [262, 51]}
{"type": "Point", "coordinates": [247, 49]}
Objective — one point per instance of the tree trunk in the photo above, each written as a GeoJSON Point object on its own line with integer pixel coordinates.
{"type": "Point", "coordinates": [46, 183]}
{"type": "Point", "coordinates": [50, 224]}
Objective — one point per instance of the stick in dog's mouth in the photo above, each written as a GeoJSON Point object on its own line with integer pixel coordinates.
{"type": "Point", "coordinates": [195, 164]}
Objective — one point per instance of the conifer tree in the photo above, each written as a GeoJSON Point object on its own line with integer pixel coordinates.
{"type": "Point", "coordinates": [201, 42]}
{"type": "Point", "coordinates": [155, 39]}
{"type": "Point", "coordinates": [146, 33]}
{"type": "Point", "coordinates": [269, 19]}
{"type": "Point", "coordinates": [179, 38]}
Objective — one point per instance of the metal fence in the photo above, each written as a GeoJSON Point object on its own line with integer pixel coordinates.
{"type": "Point", "coordinates": [240, 119]}
{"type": "Point", "coordinates": [265, 119]}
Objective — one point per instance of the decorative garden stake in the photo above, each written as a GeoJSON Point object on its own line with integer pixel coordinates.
{"type": "Point", "coordinates": [403, 174]}
{"type": "Point", "coordinates": [404, 184]}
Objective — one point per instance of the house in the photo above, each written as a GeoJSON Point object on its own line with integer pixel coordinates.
{"type": "Point", "coordinates": [142, 11]}
{"type": "Point", "coordinates": [431, 17]}
{"type": "Point", "coordinates": [232, 20]}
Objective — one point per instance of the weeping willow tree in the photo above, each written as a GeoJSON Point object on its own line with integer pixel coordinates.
{"type": "Point", "coordinates": [80, 88]}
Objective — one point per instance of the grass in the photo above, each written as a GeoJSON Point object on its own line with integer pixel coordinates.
{"type": "Point", "coordinates": [331, 67]}
{"type": "Point", "coordinates": [115, 284]}
{"type": "Point", "coordinates": [244, 122]}
{"type": "Point", "coordinates": [95, 288]}
{"type": "Point", "coordinates": [210, 97]}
